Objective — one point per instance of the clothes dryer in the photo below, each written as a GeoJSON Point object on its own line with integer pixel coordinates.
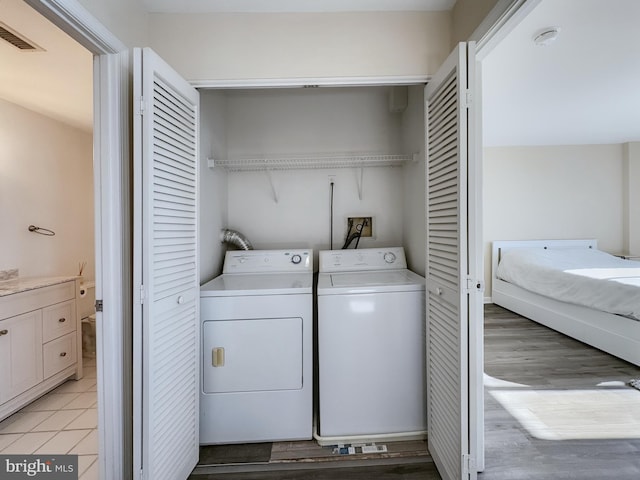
{"type": "Point", "coordinates": [371, 346]}
{"type": "Point", "coordinates": [257, 342]}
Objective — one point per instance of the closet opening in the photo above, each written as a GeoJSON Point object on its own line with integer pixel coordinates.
{"type": "Point", "coordinates": [271, 160]}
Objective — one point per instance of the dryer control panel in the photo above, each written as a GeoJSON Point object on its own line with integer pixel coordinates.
{"type": "Point", "coordinates": [271, 261]}
{"type": "Point", "coordinates": [362, 259]}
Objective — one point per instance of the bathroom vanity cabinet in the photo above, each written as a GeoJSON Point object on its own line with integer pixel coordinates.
{"type": "Point", "coordinates": [40, 339]}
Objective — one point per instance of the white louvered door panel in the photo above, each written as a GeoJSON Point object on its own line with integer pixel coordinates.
{"type": "Point", "coordinates": [166, 319]}
{"type": "Point", "coordinates": [447, 297]}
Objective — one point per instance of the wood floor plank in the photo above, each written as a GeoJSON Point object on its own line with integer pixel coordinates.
{"type": "Point", "coordinates": [235, 453]}
{"type": "Point", "coordinates": [310, 451]}
{"type": "Point", "coordinates": [521, 355]}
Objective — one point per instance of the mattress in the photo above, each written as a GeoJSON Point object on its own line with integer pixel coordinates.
{"type": "Point", "coordinates": [582, 276]}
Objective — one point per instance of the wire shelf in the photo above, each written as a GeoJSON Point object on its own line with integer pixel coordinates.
{"type": "Point", "coordinates": [349, 160]}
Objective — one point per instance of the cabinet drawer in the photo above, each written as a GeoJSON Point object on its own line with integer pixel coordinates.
{"type": "Point", "coordinates": [59, 354]}
{"type": "Point", "coordinates": [30, 300]}
{"type": "Point", "coordinates": [58, 320]}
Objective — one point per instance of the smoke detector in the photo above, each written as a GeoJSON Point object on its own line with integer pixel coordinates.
{"type": "Point", "coordinates": [546, 36]}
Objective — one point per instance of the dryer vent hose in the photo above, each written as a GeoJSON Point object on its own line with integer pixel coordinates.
{"type": "Point", "coordinates": [235, 238]}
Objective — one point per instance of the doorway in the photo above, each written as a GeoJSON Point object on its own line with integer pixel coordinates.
{"type": "Point", "coordinates": [540, 171]}
{"type": "Point", "coordinates": [111, 170]}
{"type": "Point", "coordinates": [47, 162]}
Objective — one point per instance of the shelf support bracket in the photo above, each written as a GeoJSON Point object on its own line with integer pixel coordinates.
{"type": "Point", "coordinates": [274, 191]}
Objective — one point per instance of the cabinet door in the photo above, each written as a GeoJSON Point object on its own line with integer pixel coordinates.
{"type": "Point", "coordinates": [20, 354]}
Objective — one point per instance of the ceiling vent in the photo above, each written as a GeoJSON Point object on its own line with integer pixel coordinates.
{"type": "Point", "coordinates": [17, 40]}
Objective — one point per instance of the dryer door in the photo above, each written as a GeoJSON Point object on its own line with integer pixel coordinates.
{"type": "Point", "coordinates": [252, 355]}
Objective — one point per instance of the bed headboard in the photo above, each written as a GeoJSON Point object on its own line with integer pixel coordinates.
{"type": "Point", "coordinates": [500, 246]}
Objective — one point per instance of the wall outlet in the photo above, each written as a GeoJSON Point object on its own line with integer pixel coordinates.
{"type": "Point", "coordinates": [366, 222]}
{"type": "Point", "coordinates": [332, 179]}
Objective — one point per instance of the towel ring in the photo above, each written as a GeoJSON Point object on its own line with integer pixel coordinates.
{"type": "Point", "coordinates": [41, 231]}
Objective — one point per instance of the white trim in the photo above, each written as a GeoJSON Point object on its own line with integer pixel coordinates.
{"type": "Point", "coordinates": [501, 20]}
{"type": "Point", "coordinates": [113, 286]}
{"type": "Point", "coordinates": [71, 17]}
{"type": "Point", "coordinates": [111, 190]}
{"type": "Point", "coordinates": [312, 82]}
{"type": "Point", "coordinates": [476, 259]}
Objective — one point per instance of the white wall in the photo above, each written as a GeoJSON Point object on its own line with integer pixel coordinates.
{"type": "Point", "coordinates": [631, 190]}
{"type": "Point", "coordinates": [301, 218]}
{"type": "Point", "coordinates": [213, 183]}
{"type": "Point", "coordinates": [46, 179]}
{"type": "Point", "coordinates": [313, 121]}
{"type": "Point", "coordinates": [126, 19]}
{"type": "Point", "coordinates": [413, 210]}
{"type": "Point", "coordinates": [553, 192]}
{"type": "Point", "coordinates": [299, 120]}
{"type": "Point", "coordinates": [262, 46]}
{"type": "Point", "coordinates": [466, 16]}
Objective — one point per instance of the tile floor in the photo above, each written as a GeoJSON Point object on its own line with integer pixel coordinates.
{"type": "Point", "coordinates": [64, 420]}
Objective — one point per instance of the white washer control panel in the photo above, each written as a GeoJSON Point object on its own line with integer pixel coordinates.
{"type": "Point", "coordinates": [257, 261]}
{"type": "Point", "coordinates": [390, 257]}
{"type": "Point", "coordinates": [362, 259]}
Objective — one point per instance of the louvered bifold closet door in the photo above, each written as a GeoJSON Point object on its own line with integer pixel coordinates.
{"type": "Point", "coordinates": [166, 340]}
{"type": "Point", "coordinates": [447, 311]}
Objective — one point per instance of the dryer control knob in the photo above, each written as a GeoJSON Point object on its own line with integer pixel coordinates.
{"type": "Point", "coordinates": [296, 259]}
{"type": "Point", "coordinates": [389, 257]}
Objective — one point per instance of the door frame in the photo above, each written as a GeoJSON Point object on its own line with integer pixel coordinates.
{"type": "Point", "coordinates": [111, 160]}
{"type": "Point", "coordinates": [502, 18]}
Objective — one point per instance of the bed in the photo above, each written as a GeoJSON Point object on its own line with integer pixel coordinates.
{"type": "Point", "coordinates": [616, 331]}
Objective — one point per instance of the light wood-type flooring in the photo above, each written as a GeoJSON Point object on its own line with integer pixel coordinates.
{"type": "Point", "coordinates": [555, 409]}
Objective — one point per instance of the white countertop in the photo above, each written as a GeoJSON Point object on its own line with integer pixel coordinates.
{"type": "Point", "coordinates": [22, 284]}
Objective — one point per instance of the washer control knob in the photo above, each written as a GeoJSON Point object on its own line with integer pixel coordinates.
{"type": "Point", "coordinates": [389, 257]}
{"type": "Point", "coordinates": [296, 259]}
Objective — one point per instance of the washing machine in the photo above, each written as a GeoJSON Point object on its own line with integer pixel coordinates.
{"type": "Point", "coordinates": [371, 346]}
{"type": "Point", "coordinates": [257, 348]}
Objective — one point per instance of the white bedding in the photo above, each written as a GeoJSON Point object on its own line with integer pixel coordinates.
{"type": "Point", "coordinates": [582, 276]}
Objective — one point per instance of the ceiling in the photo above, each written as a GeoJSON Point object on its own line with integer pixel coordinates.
{"type": "Point", "coordinates": [580, 89]}
{"type": "Point", "coordinates": [56, 81]}
{"type": "Point", "coordinates": [584, 88]}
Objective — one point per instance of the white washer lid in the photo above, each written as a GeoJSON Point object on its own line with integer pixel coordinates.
{"type": "Point", "coordinates": [369, 282]}
{"type": "Point", "coordinates": [228, 285]}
